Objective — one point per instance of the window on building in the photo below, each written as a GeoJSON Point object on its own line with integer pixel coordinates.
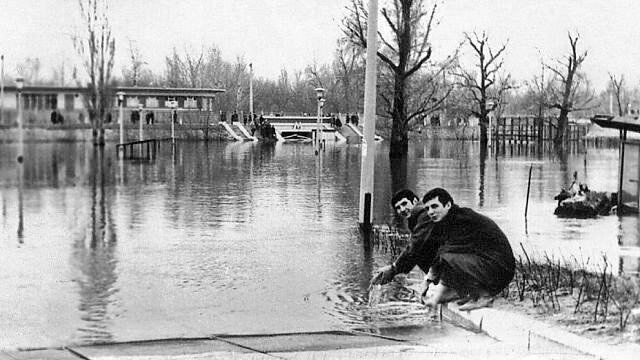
{"type": "Point", "coordinates": [133, 102]}
{"type": "Point", "coordinates": [51, 101]}
{"type": "Point", "coordinates": [68, 102]}
{"type": "Point", "coordinates": [190, 102]}
{"type": "Point", "coordinates": [151, 102]}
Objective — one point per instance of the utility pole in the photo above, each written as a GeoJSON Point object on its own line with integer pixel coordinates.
{"type": "Point", "coordinates": [1, 87]}
{"type": "Point", "coordinates": [251, 92]}
{"type": "Point", "coordinates": [368, 145]}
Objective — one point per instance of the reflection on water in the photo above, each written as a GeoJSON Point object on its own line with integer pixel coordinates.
{"type": "Point", "coordinates": [251, 237]}
{"type": "Point", "coordinates": [94, 257]}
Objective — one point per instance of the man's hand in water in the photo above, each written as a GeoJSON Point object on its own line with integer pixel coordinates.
{"type": "Point", "coordinates": [384, 275]}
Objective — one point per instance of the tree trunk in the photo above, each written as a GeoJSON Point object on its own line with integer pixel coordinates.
{"type": "Point", "coordinates": [562, 126]}
{"type": "Point", "coordinates": [483, 132]}
{"type": "Point", "coordinates": [399, 146]}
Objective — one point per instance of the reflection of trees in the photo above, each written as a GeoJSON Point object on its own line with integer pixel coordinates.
{"type": "Point", "coordinates": [94, 256]}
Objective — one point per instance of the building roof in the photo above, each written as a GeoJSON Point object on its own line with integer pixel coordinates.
{"type": "Point", "coordinates": [164, 91]}
{"type": "Point", "coordinates": [128, 90]}
{"type": "Point", "coordinates": [626, 122]}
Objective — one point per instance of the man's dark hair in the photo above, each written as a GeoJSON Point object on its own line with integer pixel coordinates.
{"type": "Point", "coordinates": [404, 193]}
{"type": "Point", "coordinates": [443, 196]}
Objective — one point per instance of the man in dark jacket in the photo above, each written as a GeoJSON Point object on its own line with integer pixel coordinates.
{"type": "Point", "coordinates": [474, 260]}
{"type": "Point", "coordinates": [421, 251]}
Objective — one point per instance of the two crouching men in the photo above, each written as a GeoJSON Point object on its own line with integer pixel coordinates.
{"type": "Point", "coordinates": [466, 257]}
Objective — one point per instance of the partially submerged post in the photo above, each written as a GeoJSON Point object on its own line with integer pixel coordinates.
{"type": "Point", "coordinates": [318, 138]}
{"type": "Point", "coordinates": [19, 86]}
{"type": "Point", "coordinates": [140, 108]}
{"type": "Point", "coordinates": [120, 95]}
{"type": "Point", "coordinates": [369, 144]}
{"type": "Point", "coordinates": [172, 116]}
{"type": "Point", "coordinates": [526, 207]}
{"type": "Point", "coordinates": [250, 93]}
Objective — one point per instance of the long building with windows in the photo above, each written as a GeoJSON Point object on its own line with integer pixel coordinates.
{"type": "Point", "coordinates": [42, 103]}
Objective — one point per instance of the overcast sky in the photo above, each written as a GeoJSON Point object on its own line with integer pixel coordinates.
{"type": "Point", "coordinates": [273, 34]}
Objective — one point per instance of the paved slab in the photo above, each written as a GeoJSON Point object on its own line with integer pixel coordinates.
{"type": "Point", "coordinates": [522, 332]}
{"type": "Point", "coordinates": [165, 348]}
{"type": "Point", "coordinates": [46, 354]}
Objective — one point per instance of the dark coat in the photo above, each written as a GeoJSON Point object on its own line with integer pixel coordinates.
{"type": "Point", "coordinates": [474, 253]}
{"type": "Point", "coordinates": [467, 251]}
{"type": "Point", "coordinates": [421, 251]}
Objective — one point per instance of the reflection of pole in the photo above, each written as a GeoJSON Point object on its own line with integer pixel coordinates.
{"type": "Point", "coordinates": [20, 206]}
{"type": "Point", "coordinates": [369, 146]}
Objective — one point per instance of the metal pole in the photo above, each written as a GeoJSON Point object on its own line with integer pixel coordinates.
{"type": "Point", "coordinates": [121, 115]}
{"type": "Point", "coordinates": [526, 207]}
{"type": "Point", "coordinates": [317, 140]}
{"type": "Point", "coordinates": [20, 130]}
{"type": "Point", "coordinates": [251, 92]}
{"type": "Point", "coordinates": [141, 135]}
{"type": "Point", "coordinates": [1, 87]}
{"type": "Point", "coordinates": [490, 132]}
{"type": "Point", "coordinates": [369, 145]}
{"type": "Point", "coordinates": [173, 134]}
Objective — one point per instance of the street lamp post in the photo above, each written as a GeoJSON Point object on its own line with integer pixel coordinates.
{"type": "Point", "coordinates": [251, 93]}
{"type": "Point", "coordinates": [172, 106]}
{"type": "Point", "coordinates": [120, 95]}
{"type": "Point", "coordinates": [19, 86]}
{"type": "Point", "coordinates": [1, 88]}
{"type": "Point", "coordinates": [320, 95]}
{"type": "Point", "coordinates": [140, 108]}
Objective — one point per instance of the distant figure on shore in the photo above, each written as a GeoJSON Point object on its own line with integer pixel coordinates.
{"type": "Point", "coordinates": [355, 119]}
{"type": "Point", "coordinates": [56, 117]}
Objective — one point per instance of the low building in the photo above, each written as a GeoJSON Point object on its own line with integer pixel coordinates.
{"type": "Point", "coordinates": [42, 104]}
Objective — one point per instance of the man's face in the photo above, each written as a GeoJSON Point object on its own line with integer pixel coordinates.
{"type": "Point", "coordinates": [404, 207]}
{"type": "Point", "coordinates": [436, 210]}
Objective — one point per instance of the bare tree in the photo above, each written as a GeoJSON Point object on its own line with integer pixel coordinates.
{"type": "Point", "coordinates": [619, 92]}
{"type": "Point", "coordinates": [404, 52]}
{"type": "Point", "coordinates": [29, 70]}
{"type": "Point", "coordinates": [136, 64]}
{"type": "Point", "coordinates": [570, 89]}
{"type": "Point", "coordinates": [347, 67]}
{"type": "Point", "coordinates": [485, 85]}
{"type": "Point", "coordinates": [96, 49]}
{"type": "Point", "coordinates": [194, 65]}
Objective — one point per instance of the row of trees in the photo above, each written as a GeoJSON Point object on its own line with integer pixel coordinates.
{"type": "Point", "coordinates": [411, 86]}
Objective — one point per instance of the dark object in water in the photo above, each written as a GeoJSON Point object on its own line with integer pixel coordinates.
{"type": "Point", "coordinates": [587, 205]}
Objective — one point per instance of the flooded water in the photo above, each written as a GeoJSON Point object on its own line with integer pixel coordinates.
{"type": "Point", "coordinates": [251, 238]}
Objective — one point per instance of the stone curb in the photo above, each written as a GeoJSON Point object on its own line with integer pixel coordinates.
{"type": "Point", "coordinates": [518, 329]}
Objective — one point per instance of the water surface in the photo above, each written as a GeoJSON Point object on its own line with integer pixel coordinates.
{"type": "Point", "coordinates": [251, 238]}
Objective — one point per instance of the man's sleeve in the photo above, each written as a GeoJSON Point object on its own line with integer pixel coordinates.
{"type": "Point", "coordinates": [407, 259]}
{"type": "Point", "coordinates": [421, 251]}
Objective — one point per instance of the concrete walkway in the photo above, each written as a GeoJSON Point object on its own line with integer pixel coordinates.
{"type": "Point", "coordinates": [413, 344]}
{"type": "Point", "coordinates": [503, 336]}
